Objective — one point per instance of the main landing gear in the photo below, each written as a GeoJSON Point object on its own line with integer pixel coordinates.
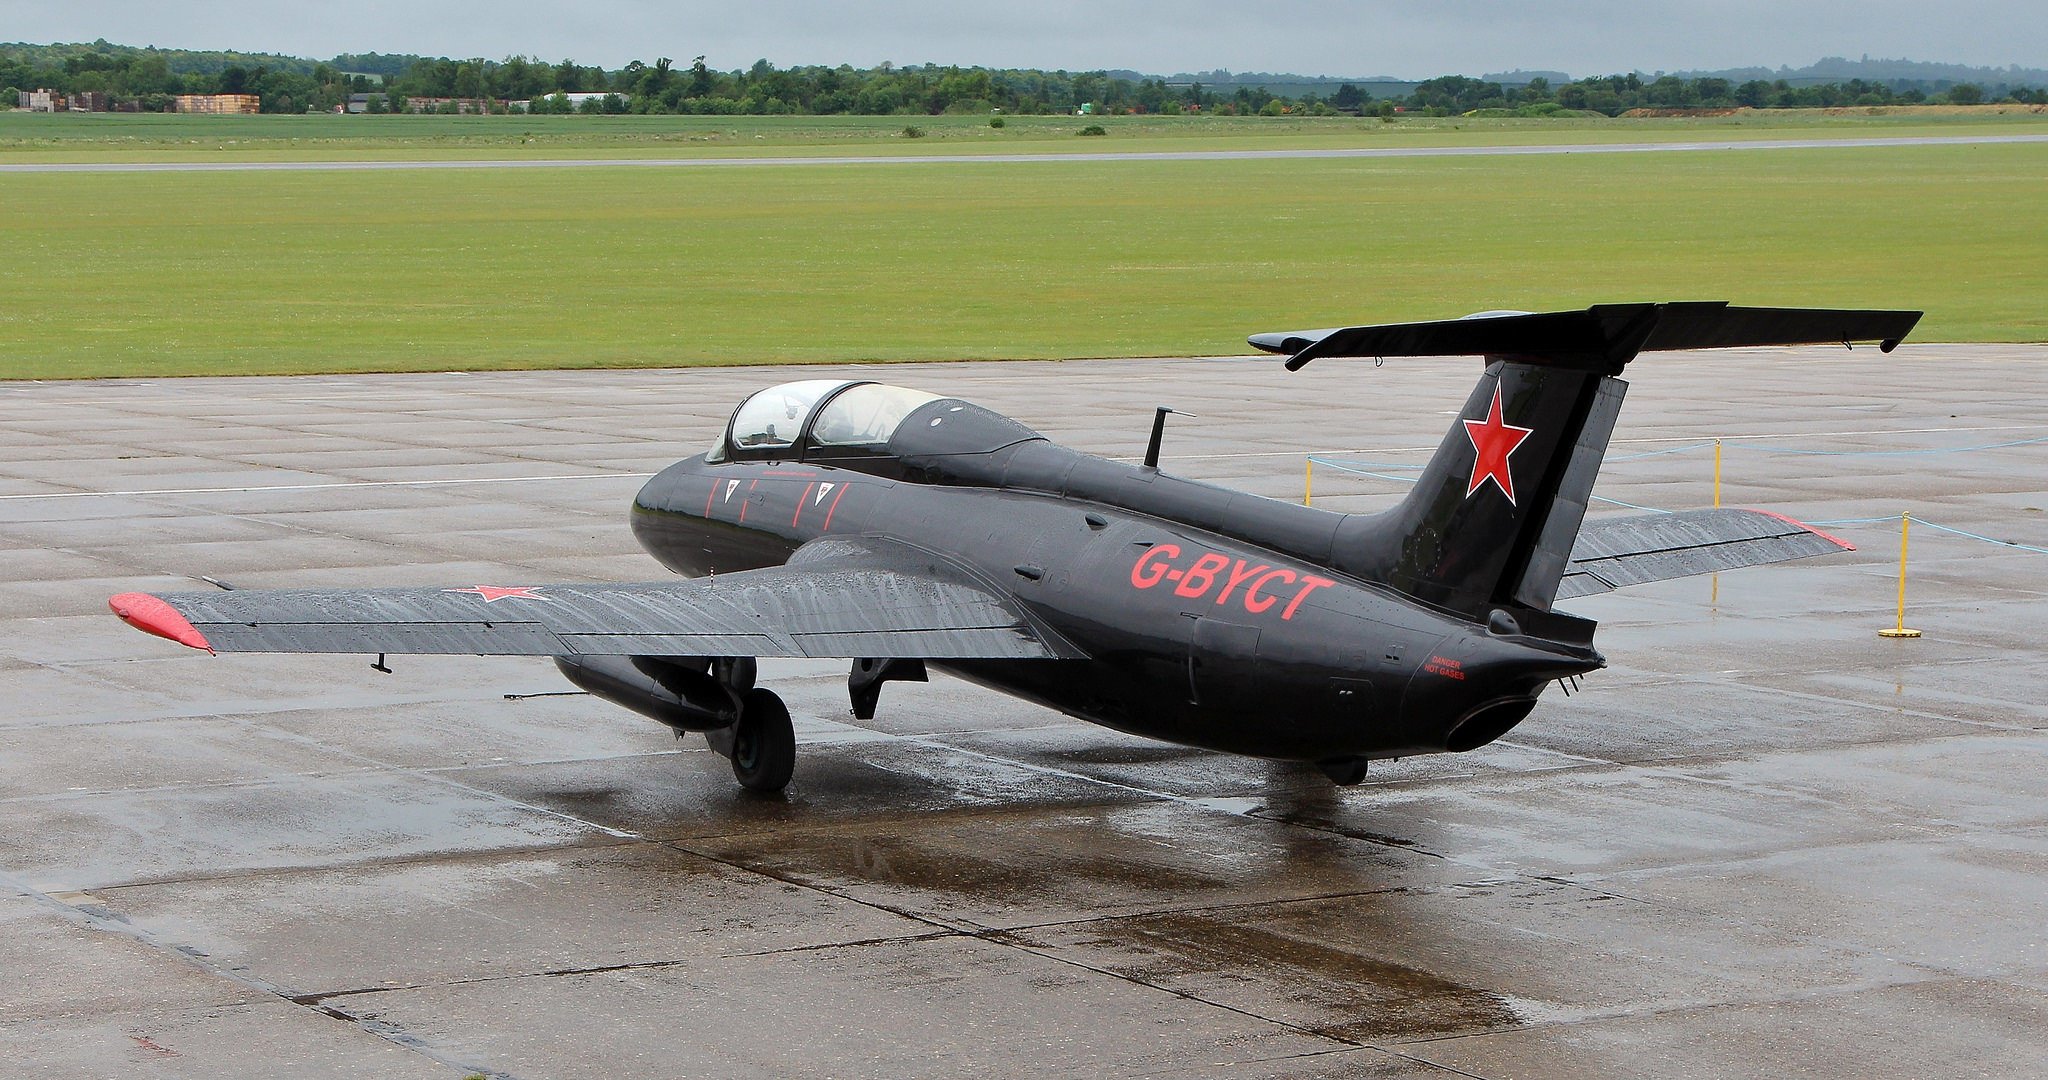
{"type": "Point", "coordinates": [763, 744]}
{"type": "Point", "coordinates": [714, 695]}
{"type": "Point", "coordinates": [760, 742]}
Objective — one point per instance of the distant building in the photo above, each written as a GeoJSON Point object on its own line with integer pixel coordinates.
{"type": "Point", "coordinates": [219, 104]}
{"type": "Point", "coordinates": [435, 104]}
{"type": "Point", "coordinates": [43, 101]}
{"type": "Point", "coordinates": [89, 101]}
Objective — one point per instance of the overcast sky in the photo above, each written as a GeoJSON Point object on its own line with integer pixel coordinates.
{"type": "Point", "coordinates": [1414, 38]}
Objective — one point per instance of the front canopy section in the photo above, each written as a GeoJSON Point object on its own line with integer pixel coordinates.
{"type": "Point", "coordinates": [790, 420]}
{"type": "Point", "coordinates": [775, 418]}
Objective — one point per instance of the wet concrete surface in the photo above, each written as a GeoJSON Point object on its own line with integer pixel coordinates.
{"type": "Point", "coordinates": [1764, 842]}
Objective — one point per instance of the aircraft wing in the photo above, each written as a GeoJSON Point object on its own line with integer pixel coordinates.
{"type": "Point", "coordinates": [1612, 553]}
{"type": "Point", "coordinates": [835, 598]}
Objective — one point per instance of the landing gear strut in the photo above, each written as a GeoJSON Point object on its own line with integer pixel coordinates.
{"type": "Point", "coordinates": [763, 750]}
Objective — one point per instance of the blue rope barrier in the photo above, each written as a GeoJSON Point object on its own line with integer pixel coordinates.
{"type": "Point", "coordinates": [1353, 467]}
{"type": "Point", "coordinates": [1661, 453]}
{"type": "Point", "coordinates": [1888, 453]}
{"type": "Point", "coordinates": [1632, 506]}
{"type": "Point", "coordinates": [1341, 467]}
{"type": "Point", "coordinates": [1768, 449]}
{"type": "Point", "coordinates": [1986, 539]}
{"type": "Point", "coordinates": [1356, 466]}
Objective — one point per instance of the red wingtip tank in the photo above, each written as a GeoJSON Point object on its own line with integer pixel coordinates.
{"type": "Point", "coordinates": [153, 616]}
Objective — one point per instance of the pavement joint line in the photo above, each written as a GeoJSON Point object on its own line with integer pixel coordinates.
{"type": "Point", "coordinates": [1069, 774]}
{"type": "Point", "coordinates": [1044, 953]}
{"type": "Point", "coordinates": [448, 781]}
{"type": "Point", "coordinates": [995, 936]}
{"type": "Point", "coordinates": [1392, 1049]}
{"type": "Point", "coordinates": [105, 920]}
{"type": "Point", "coordinates": [1198, 909]}
{"type": "Point", "coordinates": [316, 998]}
{"type": "Point", "coordinates": [1812, 993]}
{"type": "Point", "coordinates": [942, 926]}
{"type": "Point", "coordinates": [1636, 441]}
{"type": "Point", "coordinates": [243, 873]}
{"type": "Point", "coordinates": [1040, 158]}
{"type": "Point", "coordinates": [1987, 726]}
{"type": "Point", "coordinates": [1181, 1071]}
{"type": "Point", "coordinates": [453, 481]}
{"type": "Point", "coordinates": [433, 482]}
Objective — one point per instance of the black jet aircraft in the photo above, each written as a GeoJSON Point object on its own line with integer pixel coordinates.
{"type": "Point", "coordinates": [905, 531]}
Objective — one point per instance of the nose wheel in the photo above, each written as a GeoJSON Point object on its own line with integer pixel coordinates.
{"type": "Point", "coordinates": [763, 743]}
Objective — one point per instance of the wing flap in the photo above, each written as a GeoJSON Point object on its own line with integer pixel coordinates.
{"type": "Point", "coordinates": [1614, 553]}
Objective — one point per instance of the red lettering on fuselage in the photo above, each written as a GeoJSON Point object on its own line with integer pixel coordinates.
{"type": "Point", "coordinates": [1201, 575]}
{"type": "Point", "coordinates": [1263, 587]}
{"type": "Point", "coordinates": [1145, 576]}
{"type": "Point", "coordinates": [1257, 604]}
{"type": "Point", "coordinates": [1309, 584]}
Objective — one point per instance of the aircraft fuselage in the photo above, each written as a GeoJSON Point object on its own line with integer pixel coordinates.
{"type": "Point", "coordinates": [1197, 636]}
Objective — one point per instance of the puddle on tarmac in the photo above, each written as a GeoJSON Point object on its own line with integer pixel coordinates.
{"type": "Point", "coordinates": [1340, 992]}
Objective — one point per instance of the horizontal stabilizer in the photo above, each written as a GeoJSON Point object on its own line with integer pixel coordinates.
{"type": "Point", "coordinates": [1601, 338]}
{"type": "Point", "coordinates": [1613, 553]}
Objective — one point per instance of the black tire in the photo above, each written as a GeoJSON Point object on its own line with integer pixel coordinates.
{"type": "Point", "coordinates": [763, 743]}
{"type": "Point", "coordinates": [1344, 772]}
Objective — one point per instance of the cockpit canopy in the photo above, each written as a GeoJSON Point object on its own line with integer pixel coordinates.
{"type": "Point", "coordinates": [819, 414]}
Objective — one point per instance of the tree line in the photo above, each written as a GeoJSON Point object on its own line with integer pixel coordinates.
{"type": "Point", "coordinates": [148, 78]}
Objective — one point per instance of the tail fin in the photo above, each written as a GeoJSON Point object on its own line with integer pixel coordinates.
{"type": "Point", "coordinates": [1492, 520]}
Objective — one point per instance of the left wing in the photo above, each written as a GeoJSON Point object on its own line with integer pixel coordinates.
{"type": "Point", "coordinates": [835, 598]}
{"type": "Point", "coordinates": [1612, 553]}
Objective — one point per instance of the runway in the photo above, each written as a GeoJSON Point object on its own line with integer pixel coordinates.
{"type": "Point", "coordinates": [1763, 842]}
{"type": "Point", "coordinates": [1022, 159]}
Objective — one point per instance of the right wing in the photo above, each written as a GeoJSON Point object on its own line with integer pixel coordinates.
{"type": "Point", "coordinates": [835, 598]}
{"type": "Point", "coordinates": [1613, 553]}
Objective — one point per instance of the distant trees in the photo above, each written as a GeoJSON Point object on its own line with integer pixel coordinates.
{"type": "Point", "coordinates": [289, 84]}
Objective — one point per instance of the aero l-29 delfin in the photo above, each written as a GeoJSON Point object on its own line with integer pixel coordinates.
{"type": "Point", "coordinates": [906, 531]}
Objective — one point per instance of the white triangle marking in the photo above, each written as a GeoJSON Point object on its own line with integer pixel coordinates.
{"type": "Point", "coordinates": [730, 487]}
{"type": "Point", "coordinates": [823, 490]}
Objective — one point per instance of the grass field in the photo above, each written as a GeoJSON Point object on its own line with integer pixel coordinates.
{"type": "Point", "coordinates": [73, 137]}
{"type": "Point", "coordinates": [181, 273]}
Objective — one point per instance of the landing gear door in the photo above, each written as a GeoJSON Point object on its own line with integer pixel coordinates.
{"type": "Point", "coordinates": [1223, 665]}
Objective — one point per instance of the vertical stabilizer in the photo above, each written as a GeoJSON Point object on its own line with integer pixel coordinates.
{"type": "Point", "coordinates": [1492, 522]}
{"type": "Point", "coordinates": [1492, 519]}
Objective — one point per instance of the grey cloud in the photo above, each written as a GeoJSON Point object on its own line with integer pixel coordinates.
{"type": "Point", "coordinates": [1329, 37]}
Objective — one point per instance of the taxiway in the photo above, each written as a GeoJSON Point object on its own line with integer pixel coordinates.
{"type": "Point", "coordinates": [1765, 842]}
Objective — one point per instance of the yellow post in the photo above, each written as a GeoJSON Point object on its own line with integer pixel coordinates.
{"type": "Point", "coordinates": [1898, 628]}
{"type": "Point", "coordinates": [1717, 474]}
{"type": "Point", "coordinates": [1308, 481]}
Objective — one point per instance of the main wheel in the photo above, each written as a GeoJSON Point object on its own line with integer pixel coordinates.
{"type": "Point", "coordinates": [763, 743]}
{"type": "Point", "coordinates": [1344, 772]}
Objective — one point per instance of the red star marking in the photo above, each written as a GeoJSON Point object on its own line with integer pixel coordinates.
{"type": "Point", "coordinates": [1494, 442]}
{"type": "Point", "coordinates": [494, 593]}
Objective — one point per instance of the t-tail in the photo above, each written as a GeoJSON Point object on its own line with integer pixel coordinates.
{"type": "Point", "coordinates": [1491, 524]}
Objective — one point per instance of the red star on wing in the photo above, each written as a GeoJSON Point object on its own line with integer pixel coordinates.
{"type": "Point", "coordinates": [1494, 441]}
{"type": "Point", "coordinates": [494, 593]}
